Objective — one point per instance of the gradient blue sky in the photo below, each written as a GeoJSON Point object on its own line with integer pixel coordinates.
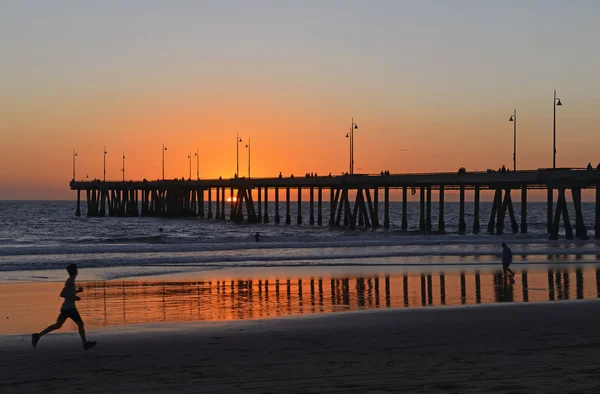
{"type": "Point", "coordinates": [439, 78]}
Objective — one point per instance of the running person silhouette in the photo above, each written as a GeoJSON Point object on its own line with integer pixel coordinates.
{"type": "Point", "coordinates": [68, 310]}
{"type": "Point", "coordinates": [506, 259]}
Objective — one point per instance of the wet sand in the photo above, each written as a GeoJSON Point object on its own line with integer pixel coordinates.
{"type": "Point", "coordinates": [29, 307]}
{"type": "Point", "coordinates": [513, 348]}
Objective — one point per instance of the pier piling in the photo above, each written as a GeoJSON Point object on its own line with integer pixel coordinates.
{"type": "Point", "coordinates": [404, 208]}
{"type": "Point", "coordinates": [266, 215]}
{"type": "Point", "coordinates": [462, 225]}
{"type": "Point", "coordinates": [441, 223]}
{"type": "Point", "coordinates": [476, 226]}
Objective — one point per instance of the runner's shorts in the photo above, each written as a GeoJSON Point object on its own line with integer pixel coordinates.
{"type": "Point", "coordinates": [72, 314]}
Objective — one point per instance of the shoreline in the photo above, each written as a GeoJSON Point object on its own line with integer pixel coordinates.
{"type": "Point", "coordinates": [541, 347]}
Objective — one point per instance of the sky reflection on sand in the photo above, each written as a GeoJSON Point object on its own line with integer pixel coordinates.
{"type": "Point", "coordinates": [109, 303]}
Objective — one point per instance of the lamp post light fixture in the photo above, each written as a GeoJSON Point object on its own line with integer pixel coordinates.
{"type": "Point", "coordinates": [105, 163]}
{"type": "Point", "coordinates": [248, 146]}
{"type": "Point", "coordinates": [123, 169]}
{"type": "Point", "coordinates": [164, 148]}
{"type": "Point", "coordinates": [513, 118]}
{"type": "Point", "coordinates": [237, 153]}
{"type": "Point", "coordinates": [197, 154]}
{"type": "Point", "coordinates": [556, 102]}
{"type": "Point", "coordinates": [74, 156]}
{"type": "Point", "coordinates": [352, 128]}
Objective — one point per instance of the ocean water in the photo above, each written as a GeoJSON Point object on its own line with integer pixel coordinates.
{"type": "Point", "coordinates": [39, 238]}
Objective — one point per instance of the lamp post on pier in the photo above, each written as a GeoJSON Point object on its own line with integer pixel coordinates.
{"type": "Point", "coordinates": [190, 157]}
{"type": "Point", "coordinates": [556, 102]}
{"type": "Point", "coordinates": [105, 163]}
{"type": "Point", "coordinates": [352, 128]}
{"type": "Point", "coordinates": [123, 169]}
{"type": "Point", "coordinates": [237, 154]}
{"type": "Point", "coordinates": [197, 154]}
{"type": "Point", "coordinates": [74, 156]}
{"type": "Point", "coordinates": [164, 148]}
{"type": "Point", "coordinates": [513, 118]}
{"type": "Point", "coordinates": [349, 136]}
{"type": "Point", "coordinates": [248, 146]}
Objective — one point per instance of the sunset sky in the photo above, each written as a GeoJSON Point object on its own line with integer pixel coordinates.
{"type": "Point", "coordinates": [439, 79]}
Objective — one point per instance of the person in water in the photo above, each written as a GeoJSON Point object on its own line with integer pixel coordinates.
{"type": "Point", "coordinates": [257, 236]}
{"type": "Point", "coordinates": [68, 311]}
{"type": "Point", "coordinates": [506, 259]}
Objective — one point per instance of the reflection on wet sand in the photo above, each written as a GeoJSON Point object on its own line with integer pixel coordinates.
{"type": "Point", "coordinates": [113, 303]}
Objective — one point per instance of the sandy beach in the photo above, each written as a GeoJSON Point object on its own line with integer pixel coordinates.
{"type": "Point", "coordinates": [513, 348]}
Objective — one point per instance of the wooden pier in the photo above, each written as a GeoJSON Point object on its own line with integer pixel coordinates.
{"type": "Point", "coordinates": [195, 198]}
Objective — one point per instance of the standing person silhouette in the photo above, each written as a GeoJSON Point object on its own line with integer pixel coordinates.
{"type": "Point", "coordinates": [68, 310]}
{"type": "Point", "coordinates": [506, 259]}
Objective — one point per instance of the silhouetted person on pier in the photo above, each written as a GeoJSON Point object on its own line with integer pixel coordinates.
{"type": "Point", "coordinates": [598, 167]}
{"type": "Point", "coordinates": [257, 236]}
{"type": "Point", "coordinates": [503, 169]}
{"type": "Point", "coordinates": [280, 175]}
{"type": "Point", "coordinates": [589, 167]}
{"type": "Point", "coordinates": [68, 311]}
{"type": "Point", "coordinates": [506, 259]}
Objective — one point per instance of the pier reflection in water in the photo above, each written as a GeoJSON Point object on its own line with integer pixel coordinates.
{"type": "Point", "coordinates": [113, 303]}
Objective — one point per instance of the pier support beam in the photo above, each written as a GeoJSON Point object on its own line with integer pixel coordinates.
{"type": "Point", "coordinates": [404, 207]}
{"type": "Point", "coordinates": [511, 212]}
{"type": "Point", "coordinates": [231, 203]}
{"type": "Point", "coordinates": [476, 226]}
{"type": "Point", "coordinates": [288, 216]}
{"type": "Point", "coordinates": [549, 209]}
{"type": "Point", "coordinates": [441, 222]}
{"type": "Point", "coordinates": [218, 210]}
{"type": "Point", "coordinates": [422, 208]}
{"type": "Point", "coordinates": [320, 206]}
{"type": "Point", "coordinates": [277, 218]}
{"type": "Point", "coordinates": [386, 207]}
{"type": "Point", "coordinates": [299, 221]}
{"type": "Point", "coordinates": [223, 202]}
{"type": "Point", "coordinates": [370, 209]}
{"type": "Point", "coordinates": [332, 204]}
{"type": "Point", "coordinates": [375, 218]}
{"type": "Point", "coordinates": [462, 226]}
{"type": "Point", "coordinates": [201, 203]}
{"type": "Point", "coordinates": [259, 203]}
{"type": "Point", "coordinates": [311, 219]}
{"type": "Point", "coordinates": [346, 203]}
{"type": "Point", "coordinates": [523, 209]}
{"type": "Point", "coordinates": [580, 230]}
{"type": "Point", "coordinates": [561, 210]}
{"type": "Point", "coordinates": [428, 210]}
{"type": "Point", "coordinates": [209, 191]}
{"type": "Point", "coordinates": [78, 210]}
{"type": "Point", "coordinates": [266, 215]}
{"type": "Point", "coordinates": [496, 204]}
